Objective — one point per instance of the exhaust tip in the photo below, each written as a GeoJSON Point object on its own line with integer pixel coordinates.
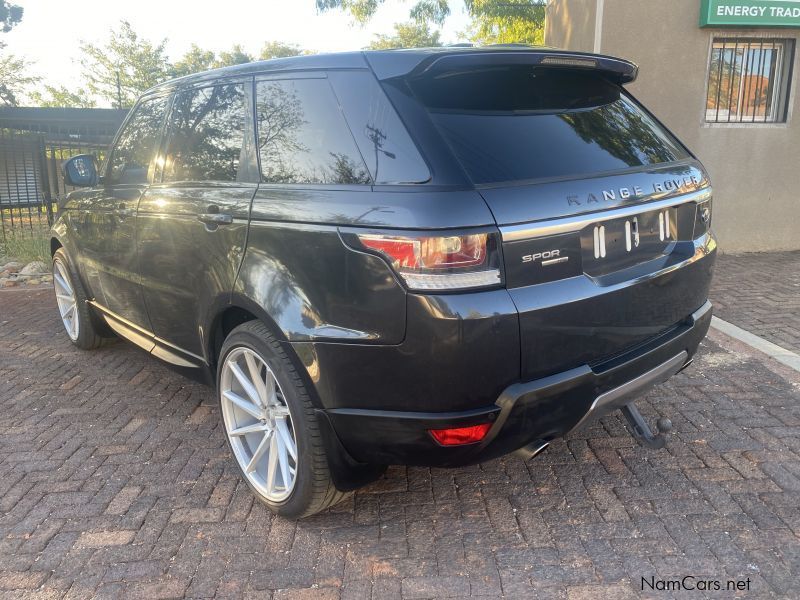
{"type": "Point", "coordinates": [532, 449]}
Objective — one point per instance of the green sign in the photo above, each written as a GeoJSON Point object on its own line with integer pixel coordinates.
{"type": "Point", "coordinates": [750, 13]}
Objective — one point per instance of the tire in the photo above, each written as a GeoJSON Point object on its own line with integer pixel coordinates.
{"type": "Point", "coordinates": [79, 322]}
{"type": "Point", "coordinates": [258, 355]}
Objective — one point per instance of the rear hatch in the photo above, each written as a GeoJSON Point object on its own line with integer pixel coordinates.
{"type": "Point", "coordinates": [596, 201]}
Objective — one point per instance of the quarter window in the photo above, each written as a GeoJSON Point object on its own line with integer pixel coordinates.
{"type": "Point", "coordinates": [302, 135]}
{"type": "Point", "coordinates": [206, 134]}
{"type": "Point", "coordinates": [748, 80]}
{"type": "Point", "coordinates": [384, 143]}
{"type": "Point", "coordinates": [133, 153]}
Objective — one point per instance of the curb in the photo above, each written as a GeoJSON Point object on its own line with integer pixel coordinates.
{"type": "Point", "coordinates": [778, 353]}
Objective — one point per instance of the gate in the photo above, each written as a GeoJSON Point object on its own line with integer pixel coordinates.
{"type": "Point", "coordinates": [25, 201]}
{"type": "Point", "coordinates": [34, 142]}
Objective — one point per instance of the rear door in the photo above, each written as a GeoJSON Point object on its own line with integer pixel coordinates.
{"type": "Point", "coordinates": [193, 223]}
{"type": "Point", "coordinates": [595, 200]}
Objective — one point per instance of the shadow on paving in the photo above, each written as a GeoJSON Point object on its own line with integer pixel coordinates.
{"type": "Point", "coordinates": [115, 480]}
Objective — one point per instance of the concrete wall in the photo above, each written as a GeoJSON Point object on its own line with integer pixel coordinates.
{"type": "Point", "coordinates": [571, 24]}
{"type": "Point", "coordinates": [755, 169]}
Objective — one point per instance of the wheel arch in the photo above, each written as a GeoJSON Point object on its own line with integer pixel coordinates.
{"type": "Point", "coordinates": [238, 310]}
{"type": "Point", "coordinates": [347, 473]}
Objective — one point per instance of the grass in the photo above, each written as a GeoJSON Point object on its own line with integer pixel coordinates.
{"type": "Point", "coordinates": [25, 247]}
{"type": "Point", "coordinates": [24, 235]}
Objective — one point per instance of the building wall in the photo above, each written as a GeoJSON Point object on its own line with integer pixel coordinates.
{"type": "Point", "coordinates": [754, 168]}
{"type": "Point", "coordinates": [571, 24]}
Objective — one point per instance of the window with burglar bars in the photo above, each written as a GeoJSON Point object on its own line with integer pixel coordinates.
{"type": "Point", "coordinates": [748, 80]}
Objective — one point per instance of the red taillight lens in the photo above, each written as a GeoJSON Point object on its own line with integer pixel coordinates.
{"type": "Point", "coordinates": [430, 252]}
{"type": "Point", "coordinates": [461, 435]}
{"type": "Point", "coordinates": [440, 262]}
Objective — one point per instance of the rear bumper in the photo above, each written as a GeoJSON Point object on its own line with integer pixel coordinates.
{"type": "Point", "coordinates": [542, 409]}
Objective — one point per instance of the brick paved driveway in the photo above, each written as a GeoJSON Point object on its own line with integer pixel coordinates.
{"type": "Point", "coordinates": [114, 480]}
{"type": "Point", "coordinates": [760, 292]}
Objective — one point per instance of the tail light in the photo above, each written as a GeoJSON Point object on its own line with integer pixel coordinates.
{"type": "Point", "coordinates": [459, 436]}
{"type": "Point", "coordinates": [439, 262]}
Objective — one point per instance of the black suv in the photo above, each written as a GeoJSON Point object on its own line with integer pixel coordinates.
{"type": "Point", "coordinates": [424, 257]}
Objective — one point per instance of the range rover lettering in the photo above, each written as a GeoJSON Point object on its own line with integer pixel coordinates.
{"type": "Point", "coordinates": [425, 257]}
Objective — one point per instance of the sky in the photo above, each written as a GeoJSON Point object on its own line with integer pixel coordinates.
{"type": "Point", "coordinates": [50, 32]}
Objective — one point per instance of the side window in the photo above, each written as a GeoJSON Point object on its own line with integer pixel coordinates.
{"type": "Point", "coordinates": [206, 133]}
{"type": "Point", "coordinates": [302, 135]}
{"type": "Point", "coordinates": [131, 156]}
{"type": "Point", "coordinates": [384, 142]}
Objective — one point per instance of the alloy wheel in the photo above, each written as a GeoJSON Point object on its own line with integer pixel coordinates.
{"type": "Point", "coordinates": [258, 424]}
{"type": "Point", "coordinates": [66, 299]}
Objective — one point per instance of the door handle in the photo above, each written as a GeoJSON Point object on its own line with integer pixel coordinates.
{"type": "Point", "coordinates": [215, 218]}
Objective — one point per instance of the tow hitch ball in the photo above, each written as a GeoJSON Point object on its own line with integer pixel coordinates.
{"type": "Point", "coordinates": [641, 430]}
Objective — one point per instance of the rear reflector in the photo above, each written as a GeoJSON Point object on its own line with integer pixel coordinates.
{"type": "Point", "coordinates": [461, 435]}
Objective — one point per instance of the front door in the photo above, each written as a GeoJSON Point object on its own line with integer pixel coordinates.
{"type": "Point", "coordinates": [111, 248]}
{"type": "Point", "coordinates": [193, 224]}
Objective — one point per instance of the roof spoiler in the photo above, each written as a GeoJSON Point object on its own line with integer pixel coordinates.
{"type": "Point", "coordinates": [387, 65]}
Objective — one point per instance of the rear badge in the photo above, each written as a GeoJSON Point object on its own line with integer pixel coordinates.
{"type": "Point", "coordinates": [547, 258]}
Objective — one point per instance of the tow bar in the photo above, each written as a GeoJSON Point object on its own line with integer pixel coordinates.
{"type": "Point", "coordinates": [641, 430]}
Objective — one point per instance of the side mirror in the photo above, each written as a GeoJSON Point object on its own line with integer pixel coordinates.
{"type": "Point", "coordinates": [81, 171]}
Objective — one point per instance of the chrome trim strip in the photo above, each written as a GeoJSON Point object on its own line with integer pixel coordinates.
{"type": "Point", "coordinates": [555, 261]}
{"type": "Point", "coordinates": [527, 231]}
{"type": "Point", "coordinates": [621, 395]}
{"type": "Point", "coordinates": [122, 320]}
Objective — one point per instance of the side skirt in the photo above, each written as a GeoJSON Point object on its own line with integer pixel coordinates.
{"type": "Point", "coordinates": [148, 341]}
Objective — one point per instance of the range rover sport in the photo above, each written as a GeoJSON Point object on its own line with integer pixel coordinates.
{"type": "Point", "coordinates": [424, 257]}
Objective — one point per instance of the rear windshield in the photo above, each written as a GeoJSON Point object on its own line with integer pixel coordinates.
{"type": "Point", "coordinates": [520, 123]}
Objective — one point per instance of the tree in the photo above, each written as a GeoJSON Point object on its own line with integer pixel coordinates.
{"type": "Point", "coordinates": [13, 80]}
{"type": "Point", "coordinates": [10, 15]}
{"type": "Point", "coordinates": [499, 22]}
{"type": "Point", "coordinates": [493, 21]}
{"type": "Point", "coordinates": [407, 35]}
{"type": "Point", "coordinates": [60, 96]}
{"type": "Point", "coordinates": [234, 56]}
{"type": "Point", "coordinates": [195, 60]}
{"type": "Point", "coordinates": [124, 67]}
{"type": "Point", "coordinates": [280, 50]}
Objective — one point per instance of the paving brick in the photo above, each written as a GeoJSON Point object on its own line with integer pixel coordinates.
{"type": "Point", "coordinates": [435, 587]}
{"type": "Point", "coordinates": [99, 539]}
{"type": "Point", "coordinates": [120, 485]}
{"type": "Point", "coordinates": [21, 580]}
{"type": "Point", "coordinates": [760, 292]}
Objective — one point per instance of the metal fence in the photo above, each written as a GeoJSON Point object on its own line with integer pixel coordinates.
{"type": "Point", "coordinates": [34, 142]}
{"type": "Point", "coordinates": [30, 179]}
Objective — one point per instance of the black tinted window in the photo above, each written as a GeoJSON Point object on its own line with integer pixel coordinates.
{"type": "Point", "coordinates": [133, 152]}
{"type": "Point", "coordinates": [302, 135]}
{"type": "Point", "coordinates": [206, 134]}
{"type": "Point", "coordinates": [390, 154]}
{"type": "Point", "coordinates": [518, 123]}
